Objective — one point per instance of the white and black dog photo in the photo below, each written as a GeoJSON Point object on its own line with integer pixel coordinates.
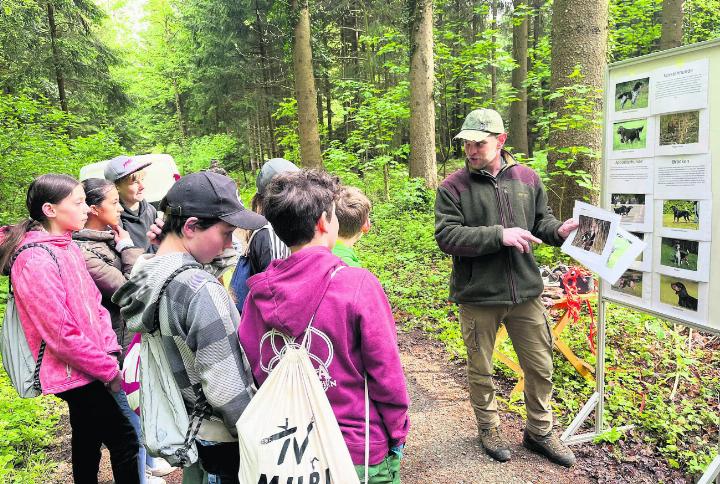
{"type": "Point", "coordinates": [630, 206]}
{"type": "Point", "coordinates": [679, 253]}
{"type": "Point", "coordinates": [631, 94]}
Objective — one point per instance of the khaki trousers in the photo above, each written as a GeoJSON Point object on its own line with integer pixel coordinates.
{"type": "Point", "coordinates": [529, 330]}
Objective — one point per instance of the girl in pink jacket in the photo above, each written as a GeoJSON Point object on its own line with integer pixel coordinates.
{"type": "Point", "coordinates": [60, 306]}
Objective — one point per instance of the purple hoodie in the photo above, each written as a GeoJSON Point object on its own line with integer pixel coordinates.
{"type": "Point", "coordinates": [353, 333]}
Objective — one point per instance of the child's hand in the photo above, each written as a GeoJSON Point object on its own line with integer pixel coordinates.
{"type": "Point", "coordinates": [121, 234]}
{"type": "Point", "coordinates": [153, 234]}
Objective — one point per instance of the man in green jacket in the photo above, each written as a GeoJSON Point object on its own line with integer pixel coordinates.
{"type": "Point", "coordinates": [487, 216]}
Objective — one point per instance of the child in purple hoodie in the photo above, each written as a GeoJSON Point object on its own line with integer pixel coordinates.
{"type": "Point", "coordinates": [353, 333]}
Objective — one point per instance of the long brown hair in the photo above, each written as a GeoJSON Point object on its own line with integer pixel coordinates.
{"type": "Point", "coordinates": [50, 188]}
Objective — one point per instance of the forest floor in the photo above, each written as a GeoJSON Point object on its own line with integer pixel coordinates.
{"type": "Point", "coordinates": [443, 446]}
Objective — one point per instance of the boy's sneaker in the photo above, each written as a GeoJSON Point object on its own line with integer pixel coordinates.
{"type": "Point", "coordinates": [494, 444]}
{"type": "Point", "coordinates": [161, 467]}
{"type": "Point", "coordinates": [550, 446]}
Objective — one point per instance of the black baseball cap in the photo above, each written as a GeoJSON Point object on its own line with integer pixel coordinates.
{"type": "Point", "coordinates": [206, 195]}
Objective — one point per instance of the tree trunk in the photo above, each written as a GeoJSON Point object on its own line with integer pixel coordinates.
{"type": "Point", "coordinates": [179, 110]}
{"type": "Point", "coordinates": [518, 109]}
{"type": "Point", "coordinates": [57, 62]}
{"type": "Point", "coordinates": [305, 89]}
{"type": "Point", "coordinates": [672, 21]}
{"type": "Point", "coordinates": [535, 101]}
{"type": "Point", "coordinates": [422, 106]}
{"type": "Point", "coordinates": [266, 90]}
{"type": "Point", "coordinates": [493, 56]}
{"type": "Point", "coordinates": [328, 106]}
{"type": "Point", "coordinates": [579, 35]}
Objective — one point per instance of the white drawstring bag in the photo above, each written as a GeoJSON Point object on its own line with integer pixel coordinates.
{"type": "Point", "coordinates": [288, 432]}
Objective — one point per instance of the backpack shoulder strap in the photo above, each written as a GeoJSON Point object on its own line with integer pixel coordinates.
{"type": "Point", "coordinates": [252, 236]}
{"type": "Point", "coordinates": [325, 289]}
{"type": "Point", "coordinates": [43, 345]}
{"type": "Point", "coordinates": [175, 273]}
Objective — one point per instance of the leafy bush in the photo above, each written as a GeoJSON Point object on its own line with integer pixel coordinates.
{"type": "Point", "coordinates": [36, 138]}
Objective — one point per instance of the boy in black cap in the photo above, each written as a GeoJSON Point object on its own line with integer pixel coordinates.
{"type": "Point", "coordinates": [198, 321]}
{"type": "Point", "coordinates": [138, 215]}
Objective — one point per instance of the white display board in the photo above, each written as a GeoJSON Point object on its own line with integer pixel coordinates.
{"type": "Point", "coordinates": [661, 173]}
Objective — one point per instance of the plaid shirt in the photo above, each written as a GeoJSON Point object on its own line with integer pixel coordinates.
{"type": "Point", "coordinates": [198, 324]}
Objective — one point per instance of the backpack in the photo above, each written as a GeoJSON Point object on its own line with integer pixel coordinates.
{"type": "Point", "coordinates": [238, 284]}
{"type": "Point", "coordinates": [288, 432]}
{"type": "Point", "coordinates": [18, 360]}
{"type": "Point", "coordinates": [167, 430]}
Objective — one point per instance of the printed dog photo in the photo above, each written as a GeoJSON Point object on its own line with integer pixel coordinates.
{"type": "Point", "coordinates": [630, 135]}
{"type": "Point", "coordinates": [677, 292]}
{"type": "Point", "coordinates": [681, 214]}
{"type": "Point", "coordinates": [630, 206]}
{"type": "Point", "coordinates": [679, 253]}
{"type": "Point", "coordinates": [629, 283]}
{"type": "Point", "coordinates": [680, 128]}
{"type": "Point", "coordinates": [592, 234]}
{"type": "Point", "coordinates": [640, 236]}
{"type": "Point", "coordinates": [631, 94]}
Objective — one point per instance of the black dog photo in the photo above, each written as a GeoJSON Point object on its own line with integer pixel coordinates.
{"type": "Point", "coordinates": [681, 214]}
{"type": "Point", "coordinates": [630, 135]}
{"type": "Point", "coordinates": [677, 292]}
{"type": "Point", "coordinates": [592, 234]}
{"type": "Point", "coordinates": [630, 206]}
{"type": "Point", "coordinates": [631, 94]}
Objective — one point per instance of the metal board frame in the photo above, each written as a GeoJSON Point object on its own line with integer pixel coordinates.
{"type": "Point", "coordinates": [596, 402]}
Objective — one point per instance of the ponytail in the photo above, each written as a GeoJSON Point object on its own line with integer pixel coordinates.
{"type": "Point", "coordinates": [11, 237]}
{"type": "Point", "coordinates": [44, 189]}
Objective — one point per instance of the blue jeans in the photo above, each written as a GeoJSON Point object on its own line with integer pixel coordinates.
{"type": "Point", "coordinates": [122, 402]}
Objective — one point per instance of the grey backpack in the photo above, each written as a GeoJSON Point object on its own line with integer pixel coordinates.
{"type": "Point", "coordinates": [168, 431]}
{"type": "Point", "coordinates": [18, 360]}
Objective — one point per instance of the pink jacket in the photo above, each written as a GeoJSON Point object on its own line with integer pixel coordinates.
{"type": "Point", "coordinates": [63, 309]}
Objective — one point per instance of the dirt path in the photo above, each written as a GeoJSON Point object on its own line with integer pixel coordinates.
{"type": "Point", "coordinates": [443, 446]}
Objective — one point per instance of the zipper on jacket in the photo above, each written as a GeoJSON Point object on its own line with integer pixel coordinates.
{"type": "Point", "coordinates": [67, 371]}
{"type": "Point", "coordinates": [500, 204]}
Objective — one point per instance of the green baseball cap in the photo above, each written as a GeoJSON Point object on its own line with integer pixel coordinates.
{"type": "Point", "coordinates": [481, 123]}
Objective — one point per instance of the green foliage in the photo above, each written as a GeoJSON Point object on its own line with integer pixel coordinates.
{"type": "Point", "coordinates": [36, 138]}
{"type": "Point", "coordinates": [199, 151]}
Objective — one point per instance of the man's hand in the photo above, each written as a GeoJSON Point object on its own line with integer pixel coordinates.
{"type": "Point", "coordinates": [568, 226]}
{"type": "Point", "coordinates": [153, 234]}
{"type": "Point", "coordinates": [519, 238]}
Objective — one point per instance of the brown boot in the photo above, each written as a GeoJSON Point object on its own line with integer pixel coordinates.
{"type": "Point", "coordinates": [550, 446]}
{"type": "Point", "coordinates": [493, 443]}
